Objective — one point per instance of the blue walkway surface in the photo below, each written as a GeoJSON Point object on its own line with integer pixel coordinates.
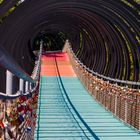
{"type": "Point", "coordinates": [67, 112]}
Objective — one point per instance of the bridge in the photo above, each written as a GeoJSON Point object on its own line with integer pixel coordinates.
{"type": "Point", "coordinates": [69, 70]}
{"type": "Point", "coordinates": [67, 111]}
{"type": "Point", "coordinates": [66, 102]}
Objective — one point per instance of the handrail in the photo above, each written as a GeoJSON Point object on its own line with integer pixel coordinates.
{"type": "Point", "coordinates": [24, 111]}
{"type": "Point", "coordinates": [18, 94]}
{"type": "Point", "coordinates": [102, 76]}
{"type": "Point", "coordinates": [122, 102]}
{"type": "Point", "coordinates": [8, 63]}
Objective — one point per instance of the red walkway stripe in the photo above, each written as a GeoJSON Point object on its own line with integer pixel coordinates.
{"type": "Point", "coordinates": [48, 66]}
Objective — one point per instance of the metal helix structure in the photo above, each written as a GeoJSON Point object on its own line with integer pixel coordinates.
{"type": "Point", "coordinates": [105, 78]}
{"type": "Point", "coordinates": [104, 34]}
{"type": "Point", "coordinates": [105, 53]}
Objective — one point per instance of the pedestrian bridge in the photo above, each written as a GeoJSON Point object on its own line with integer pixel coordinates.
{"type": "Point", "coordinates": [64, 100]}
{"type": "Point", "coordinates": [66, 111]}
{"type": "Point", "coordinates": [88, 90]}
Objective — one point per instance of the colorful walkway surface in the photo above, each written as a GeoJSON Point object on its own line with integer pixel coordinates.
{"type": "Point", "coordinates": [49, 68]}
{"type": "Point", "coordinates": [67, 112]}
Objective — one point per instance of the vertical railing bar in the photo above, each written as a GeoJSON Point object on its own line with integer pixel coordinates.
{"type": "Point", "coordinates": [26, 86]}
{"type": "Point", "coordinates": [21, 85]}
{"type": "Point", "coordinates": [126, 110]}
{"type": "Point", "coordinates": [9, 82]}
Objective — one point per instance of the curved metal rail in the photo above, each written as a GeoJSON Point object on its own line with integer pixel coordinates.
{"type": "Point", "coordinates": [8, 63]}
{"type": "Point", "coordinates": [123, 102]}
{"type": "Point", "coordinates": [116, 81]}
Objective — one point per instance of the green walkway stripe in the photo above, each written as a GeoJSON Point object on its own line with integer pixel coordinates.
{"type": "Point", "coordinates": [57, 120]}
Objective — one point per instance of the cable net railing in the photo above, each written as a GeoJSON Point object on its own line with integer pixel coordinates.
{"type": "Point", "coordinates": [122, 101]}
{"type": "Point", "coordinates": [18, 110]}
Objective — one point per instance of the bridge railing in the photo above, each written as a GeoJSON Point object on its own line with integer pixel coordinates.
{"type": "Point", "coordinates": [18, 110]}
{"type": "Point", "coordinates": [122, 101]}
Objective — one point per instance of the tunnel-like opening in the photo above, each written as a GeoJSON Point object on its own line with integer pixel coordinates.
{"type": "Point", "coordinates": [53, 41]}
{"type": "Point", "coordinates": [104, 34]}
{"type": "Point", "coordinates": [103, 37]}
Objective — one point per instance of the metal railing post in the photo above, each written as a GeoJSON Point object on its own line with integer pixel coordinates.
{"type": "Point", "coordinates": [30, 86]}
{"type": "Point", "coordinates": [27, 86]}
{"type": "Point", "coordinates": [9, 83]}
{"type": "Point", "coordinates": [9, 99]}
{"type": "Point", "coordinates": [21, 85]}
